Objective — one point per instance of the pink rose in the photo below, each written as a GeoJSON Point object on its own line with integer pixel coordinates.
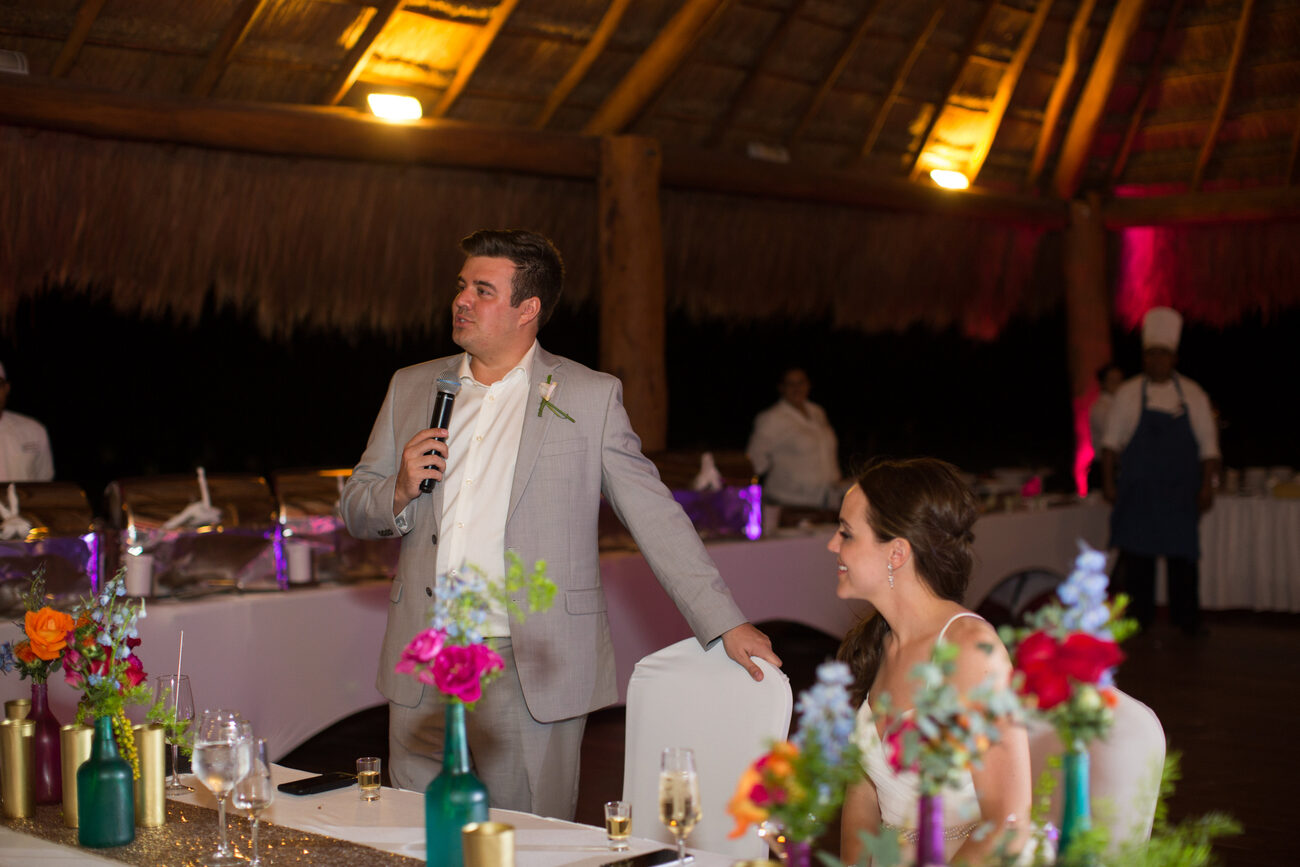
{"type": "Point", "coordinates": [459, 671]}
{"type": "Point", "coordinates": [420, 652]}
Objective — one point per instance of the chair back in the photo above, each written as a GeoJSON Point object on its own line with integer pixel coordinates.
{"type": "Point", "coordinates": [685, 696]}
{"type": "Point", "coordinates": [1124, 770]}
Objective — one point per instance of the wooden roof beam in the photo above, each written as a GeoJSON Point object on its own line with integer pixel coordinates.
{"type": "Point", "coordinates": [1124, 21]}
{"type": "Point", "coordinates": [1291, 160]}
{"type": "Point", "coordinates": [474, 56]}
{"type": "Point", "coordinates": [1234, 206]}
{"type": "Point", "coordinates": [85, 19]}
{"type": "Point", "coordinates": [1225, 92]}
{"type": "Point", "coordinates": [1074, 43]}
{"type": "Point", "coordinates": [1148, 87]}
{"type": "Point", "coordinates": [837, 70]}
{"type": "Point", "coordinates": [231, 37]}
{"type": "Point", "coordinates": [654, 67]}
{"type": "Point", "coordinates": [900, 78]}
{"type": "Point", "coordinates": [972, 42]}
{"type": "Point", "coordinates": [1006, 88]}
{"type": "Point", "coordinates": [746, 89]}
{"type": "Point", "coordinates": [576, 72]}
{"type": "Point", "coordinates": [355, 60]}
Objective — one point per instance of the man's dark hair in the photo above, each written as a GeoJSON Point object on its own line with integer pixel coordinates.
{"type": "Point", "coordinates": [539, 270]}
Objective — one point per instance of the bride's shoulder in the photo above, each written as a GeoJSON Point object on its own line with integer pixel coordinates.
{"type": "Point", "coordinates": [980, 651]}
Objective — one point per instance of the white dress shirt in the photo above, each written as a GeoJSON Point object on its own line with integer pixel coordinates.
{"type": "Point", "coordinates": [482, 450]}
{"type": "Point", "coordinates": [798, 452]}
{"type": "Point", "coordinates": [1126, 412]}
{"type": "Point", "coordinates": [24, 449]}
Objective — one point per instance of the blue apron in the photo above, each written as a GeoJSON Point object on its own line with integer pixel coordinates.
{"type": "Point", "coordinates": [1156, 513]}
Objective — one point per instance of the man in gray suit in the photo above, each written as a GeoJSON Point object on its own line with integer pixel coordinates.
{"type": "Point", "coordinates": [525, 481]}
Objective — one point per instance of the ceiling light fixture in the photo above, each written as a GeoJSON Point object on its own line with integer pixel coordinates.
{"type": "Point", "coordinates": [949, 180]}
{"type": "Point", "coordinates": [391, 106]}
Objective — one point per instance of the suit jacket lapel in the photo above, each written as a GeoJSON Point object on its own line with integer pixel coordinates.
{"type": "Point", "coordinates": [450, 372]}
{"type": "Point", "coordinates": [530, 440]}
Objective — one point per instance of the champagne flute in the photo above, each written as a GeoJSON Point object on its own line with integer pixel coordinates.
{"type": "Point", "coordinates": [222, 759]}
{"type": "Point", "coordinates": [679, 795]}
{"type": "Point", "coordinates": [174, 692]}
{"type": "Point", "coordinates": [255, 792]}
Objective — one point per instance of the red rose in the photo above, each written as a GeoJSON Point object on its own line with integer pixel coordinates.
{"type": "Point", "coordinates": [1038, 657]}
{"type": "Point", "coordinates": [1085, 657]}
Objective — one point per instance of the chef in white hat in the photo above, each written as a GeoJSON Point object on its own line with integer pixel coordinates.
{"type": "Point", "coordinates": [24, 445]}
{"type": "Point", "coordinates": [1160, 453]}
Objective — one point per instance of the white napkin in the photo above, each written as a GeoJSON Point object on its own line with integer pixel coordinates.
{"type": "Point", "coordinates": [198, 514]}
{"type": "Point", "coordinates": [12, 524]}
{"type": "Point", "coordinates": [708, 479]}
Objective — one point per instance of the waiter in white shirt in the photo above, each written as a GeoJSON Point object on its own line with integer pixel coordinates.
{"type": "Point", "coordinates": [24, 445]}
{"type": "Point", "coordinates": [1160, 454]}
{"type": "Point", "coordinates": [794, 446]}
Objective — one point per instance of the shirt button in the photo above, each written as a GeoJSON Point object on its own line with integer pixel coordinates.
{"type": "Point", "coordinates": [428, 591]}
{"type": "Point", "coordinates": [460, 525]}
{"type": "Point", "coordinates": [435, 538]}
{"type": "Point", "coordinates": [491, 398]}
{"type": "Point", "coordinates": [478, 439]}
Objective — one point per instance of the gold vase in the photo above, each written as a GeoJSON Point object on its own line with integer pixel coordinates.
{"type": "Point", "coordinates": [488, 844]}
{"type": "Point", "coordinates": [18, 708]}
{"type": "Point", "coordinates": [16, 762]}
{"type": "Point", "coordinates": [74, 748]}
{"type": "Point", "coordinates": [151, 787]}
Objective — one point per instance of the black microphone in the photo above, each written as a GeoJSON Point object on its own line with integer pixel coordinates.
{"type": "Point", "coordinates": [447, 390]}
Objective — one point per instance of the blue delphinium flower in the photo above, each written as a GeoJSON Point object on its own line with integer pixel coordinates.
{"type": "Point", "coordinates": [7, 660]}
{"type": "Point", "coordinates": [1084, 594]}
{"type": "Point", "coordinates": [825, 713]}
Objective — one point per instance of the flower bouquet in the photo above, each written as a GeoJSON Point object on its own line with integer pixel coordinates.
{"type": "Point", "coordinates": [100, 660]}
{"type": "Point", "coordinates": [35, 658]}
{"type": "Point", "coordinates": [453, 656]}
{"type": "Point", "coordinates": [1065, 658]}
{"type": "Point", "coordinates": [799, 784]}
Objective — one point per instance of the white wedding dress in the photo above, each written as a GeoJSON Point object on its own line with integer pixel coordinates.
{"type": "Point", "coordinates": [899, 793]}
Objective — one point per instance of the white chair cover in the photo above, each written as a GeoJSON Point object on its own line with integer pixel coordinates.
{"type": "Point", "coordinates": [684, 696]}
{"type": "Point", "coordinates": [1124, 772]}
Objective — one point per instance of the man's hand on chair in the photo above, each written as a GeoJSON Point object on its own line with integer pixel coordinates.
{"type": "Point", "coordinates": [746, 640]}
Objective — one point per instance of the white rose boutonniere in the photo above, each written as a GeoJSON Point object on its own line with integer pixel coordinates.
{"type": "Point", "coordinates": [546, 389]}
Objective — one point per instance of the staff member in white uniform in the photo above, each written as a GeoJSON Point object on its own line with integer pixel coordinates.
{"type": "Point", "coordinates": [794, 446]}
{"type": "Point", "coordinates": [24, 446]}
{"type": "Point", "coordinates": [1159, 457]}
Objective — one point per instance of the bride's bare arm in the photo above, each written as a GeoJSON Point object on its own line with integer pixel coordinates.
{"type": "Point", "coordinates": [861, 812]}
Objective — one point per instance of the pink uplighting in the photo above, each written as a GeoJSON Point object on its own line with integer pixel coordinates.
{"type": "Point", "coordinates": [1083, 451]}
{"type": "Point", "coordinates": [1144, 281]}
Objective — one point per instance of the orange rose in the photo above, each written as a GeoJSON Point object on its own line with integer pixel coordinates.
{"type": "Point", "coordinates": [48, 629]}
{"type": "Point", "coordinates": [23, 650]}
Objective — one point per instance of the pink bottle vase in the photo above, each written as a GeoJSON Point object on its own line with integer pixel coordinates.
{"type": "Point", "coordinates": [47, 767]}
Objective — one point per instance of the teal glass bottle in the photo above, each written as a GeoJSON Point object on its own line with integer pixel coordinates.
{"type": "Point", "coordinates": [1076, 811]}
{"type": "Point", "coordinates": [455, 797]}
{"type": "Point", "coordinates": [105, 793]}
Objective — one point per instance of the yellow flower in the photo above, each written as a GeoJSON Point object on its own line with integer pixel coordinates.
{"type": "Point", "coordinates": [48, 630]}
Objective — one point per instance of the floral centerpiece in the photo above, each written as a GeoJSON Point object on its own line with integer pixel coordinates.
{"type": "Point", "coordinates": [1065, 658]}
{"type": "Point", "coordinates": [799, 784]}
{"type": "Point", "coordinates": [453, 656]}
{"type": "Point", "coordinates": [35, 657]}
{"type": "Point", "coordinates": [101, 662]}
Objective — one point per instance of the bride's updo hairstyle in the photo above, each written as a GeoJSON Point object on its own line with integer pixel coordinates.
{"type": "Point", "coordinates": [924, 501]}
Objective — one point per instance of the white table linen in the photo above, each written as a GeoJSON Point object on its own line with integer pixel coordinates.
{"type": "Point", "coordinates": [1250, 554]}
{"type": "Point", "coordinates": [393, 823]}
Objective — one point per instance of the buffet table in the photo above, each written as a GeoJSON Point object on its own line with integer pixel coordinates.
{"type": "Point", "coordinates": [393, 824]}
{"type": "Point", "coordinates": [296, 662]}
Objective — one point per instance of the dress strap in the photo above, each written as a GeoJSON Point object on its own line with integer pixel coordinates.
{"type": "Point", "coordinates": [944, 631]}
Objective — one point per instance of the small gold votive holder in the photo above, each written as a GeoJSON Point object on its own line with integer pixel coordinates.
{"type": "Point", "coordinates": [74, 751]}
{"type": "Point", "coordinates": [488, 844]}
{"type": "Point", "coordinates": [17, 767]}
{"type": "Point", "coordinates": [151, 787]}
{"type": "Point", "coordinates": [757, 862]}
{"type": "Point", "coordinates": [18, 708]}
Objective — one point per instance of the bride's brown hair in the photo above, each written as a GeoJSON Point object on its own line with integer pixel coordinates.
{"type": "Point", "coordinates": [924, 501]}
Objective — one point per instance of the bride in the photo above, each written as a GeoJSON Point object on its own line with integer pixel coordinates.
{"type": "Point", "coordinates": [904, 545]}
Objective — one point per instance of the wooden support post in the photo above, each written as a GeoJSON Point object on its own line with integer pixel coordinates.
{"type": "Point", "coordinates": [632, 282]}
{"type": "Point", "coordinates": [1087, 319]}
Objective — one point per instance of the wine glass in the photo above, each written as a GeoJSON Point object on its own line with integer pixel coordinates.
{"type": "Point", "coordinates": [222, 759]}
{"type": "Point", "coordinates": [255, 792]}
{"type": "Point", "coordinates": [679, 795]}
{"type": "Point", "coordinates": [173, 691]}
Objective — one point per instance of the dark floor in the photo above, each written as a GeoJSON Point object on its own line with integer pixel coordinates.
{"type": "Point", "coordinates": [1221, 698]}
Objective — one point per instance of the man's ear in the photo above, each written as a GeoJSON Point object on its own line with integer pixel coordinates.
{"type": "Point", "coordinates": [529, 309]}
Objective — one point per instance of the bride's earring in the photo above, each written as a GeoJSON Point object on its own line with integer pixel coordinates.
{"type": "Point", "coordinates": [890, 567]}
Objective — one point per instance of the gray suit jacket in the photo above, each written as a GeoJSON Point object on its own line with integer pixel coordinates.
{"type": "Point", "coordinates": [565, 655]}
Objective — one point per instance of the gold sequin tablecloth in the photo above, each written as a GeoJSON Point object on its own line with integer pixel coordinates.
{"type": "Point", "coordinates": [190, 835]}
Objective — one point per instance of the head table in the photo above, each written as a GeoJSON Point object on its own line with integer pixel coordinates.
{"type": "Point", "coordinates": [392, 824]}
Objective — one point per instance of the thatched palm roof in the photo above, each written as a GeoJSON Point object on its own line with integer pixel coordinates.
{"type": "Point", "coordinates": [184, 144]}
